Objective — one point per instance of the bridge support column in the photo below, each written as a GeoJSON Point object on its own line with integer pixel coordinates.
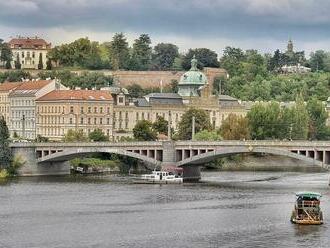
{"type": "Point", "coordinates": [191, 173]}
{"type": "Point", "coordinates": [32, 168]}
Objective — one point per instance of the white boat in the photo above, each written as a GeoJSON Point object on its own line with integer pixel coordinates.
{"type": "Point", "coordinates": [160, 177]}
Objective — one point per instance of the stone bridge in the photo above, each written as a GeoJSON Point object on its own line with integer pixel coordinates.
{"type": "Point", "coordinates": [52, 158]}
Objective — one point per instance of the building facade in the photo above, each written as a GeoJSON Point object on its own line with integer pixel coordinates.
{"type": "Point", "coordinates": [29, 51]}
{"type": "Point", "coordinates": [5, 89]}
{"type": "Point", "coordinates": [22, 121]}
{"type": "Point", "coordinates": [62, 110]}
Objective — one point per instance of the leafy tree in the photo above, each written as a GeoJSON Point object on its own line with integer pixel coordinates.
{"type": "Point", "coordinates": [98, 135]}
{"type": "Point", "coordinates": [235, 128]}
{"type": "Point", "coordinates": [143, 131]}
{"type": "Point", "coordinates": [40, 138]}
{"type": "Point", "coordinates": [300, 119]}
{"type": "Point", "coordinates": [160, 125]}
{"type": "Point", "coordinates": [49, 65]}
{"type": "Point", "coordinates": [40, 64]}
{"type": "Point", "coordinates": [164, 56]}
{"type": "Point", "coordinates": [141, 53]}
{"type": "Point", "coordinates": [135, 90]}
{"type": "Point", "coordinates": [119, 52]}
{"type": "Point", "coordinates": [75, 136]}
{"type": "Point", "coordinates": [5, 151]}
{"type": "Point", "coordinates": [206, 135]}
{"type": "Point", "coordinates": [5, 54]}
{"type": "Point", "coordinates": [231, 60]}
{"type": "Point", "coordinates": [317, 120]}
{"type": "Point", "coordinates": [202, 122]}
{"type": "Point", "coordinates": [204, 56]}
{"type": "Point", "coordinates": [317, 60]}
{"type": "Point", "coordinates": [17, 62]}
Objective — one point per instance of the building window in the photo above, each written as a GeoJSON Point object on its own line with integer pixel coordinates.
{"type": "Point", "coordinates": [89, 121]}
{"type": "Point", "coordinates": [70, 121]}
{"type": "Point", "coordinates": [137, 116]}
{"type": "Point", "coordinates": [22, 54]}
{"type": "Point", "coordinates": [108, 121]}
{"type": "Point", "coordinates": [95, 121]}
{"type": "Point", "coordinates": [101, 110]}
{"type": "Point", "coordinates": [89, 109]}
{"type": "Point", "coordinates": [81, 110]}
{"type": "Point", "coordinates": [71, 109]}
{"type": "Point", "coordinates": [81, 120]}
{"type": "Point", "coordinates": [101, 121]}
{"type": "Point", "coordinates": [33, 55]}
{"type": "Point", "coordinates": [95, 109]}
{"type": "Point", "coordinates": [121, 99]}
{"type": "Point", "coordinates": [108, 110]}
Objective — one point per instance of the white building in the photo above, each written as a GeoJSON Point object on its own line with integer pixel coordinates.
{"type": "Point", "coordinates": [29, 50]}
{"type": "Point", "coordinates": [23, 107]}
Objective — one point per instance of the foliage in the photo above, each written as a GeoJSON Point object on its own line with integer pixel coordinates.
{"type": "Point", "coordinates": [205, 57]}
{"type": "Point", "coordinates": [300, 119]}
{"type": "Point", "coordinates": [5, 151]}
{"type": "Point", "coordinates": [202, 122]}
{"type": "Point", "coordinates": [206, 135]}
{"type": "Point", "coordinates": [94, 162]}
{"type": "Point", "coordinates": [40, 64]}
{"type": "Point", "coordinates": [235, 128]}
{"type": "Point", "coordinates": [14, 76]}
{"type": "Point", "coordinates": [232, 60]}
{"type": "Point", "coordinates": [160, 125]}
{"type": "Point", "coordinates": [98, 135]}
{"type": "Point", "coordinates": [40, 138]}
{"type": "Point", "coordinates": [75, 136]}
{"type": "Point", "coordinates": [317, 120]}
{"type": "Point", "coordinates": [18, 63]}
{"type": "Point", "coordinates": [141, 53]}
{"type": "Point", "coordinates": [143, 131]}
{"type": "Point", "coordinates": [15, 165]}
{"type": "Point", "coordinates": [5, 54]}
{"type": "Point", "coordinates": [164, 56]}
{"type": "Point", "coordinates": [119, 52]}
{"type": "Point", "coordinates": [135, 90]}
{"type": "Point", "coordinates": [49, 65]}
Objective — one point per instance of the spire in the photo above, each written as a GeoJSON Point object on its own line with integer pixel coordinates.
{"type": "Point", "coordinates": [290, 46]}
{"type": "Point", "coordinates": [194, 64]}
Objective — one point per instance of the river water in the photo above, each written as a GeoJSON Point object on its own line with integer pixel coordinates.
{"type": "Point", "coordinates": [229, 209]}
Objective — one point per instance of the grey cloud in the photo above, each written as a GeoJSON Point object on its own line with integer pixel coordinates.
{"type": "Point", "coordinates": [207, 18]}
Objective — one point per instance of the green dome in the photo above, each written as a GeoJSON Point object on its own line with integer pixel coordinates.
{"type": "Point", "coordinates": [193, 76]}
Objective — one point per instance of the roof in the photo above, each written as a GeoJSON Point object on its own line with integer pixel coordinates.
{"type": "Point", "coordinates": [29, 42]}
{"type": "Point", "coordinates": [7, 86]}
{"type": "Point", "coordinates": [141, 102]}
{"type": "Point", "coordinates": [163, 95]}
{"type": "Point", "coordinates": [86, 95]}
{"type": "Point", "coordinates": [308, 194]}
{"type": "Point", "coordinates": [33, 85]}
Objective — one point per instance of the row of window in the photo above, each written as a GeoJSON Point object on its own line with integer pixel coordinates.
{"type": "Point", "coordinates": [21, 102]}
{"type": "Point", "coordinates": [27, 54]}
{"type": "Point", "coordinates": [61, 132]}
{"type": "Point", "coordinates": [61, 109]}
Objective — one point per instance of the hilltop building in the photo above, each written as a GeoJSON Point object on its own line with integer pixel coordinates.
{"type": "Point", "coordinates": [29, 51]}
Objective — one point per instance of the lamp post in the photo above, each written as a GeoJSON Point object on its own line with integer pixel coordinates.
{"type": "Point", "coordinates": [23, 127]}
{"type": "Point", "coordinates": [169, 123]}
{"type": "Point", "coordinates": [193, 128]}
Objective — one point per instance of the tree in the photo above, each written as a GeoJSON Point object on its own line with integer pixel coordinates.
{"type": "Point", "coordinates": [164, 56]}
{"type": "Point", "coordinates": [231, 60]}
{"type": "Point", "coordinates": [206, 135]}
{"type": "Point", "coordinates": [143, 131]}
{"type": "Point", "coordinates": [317, 60]}
{"type": "Point", "coordinates": [235, 128]}
{"type": "Point", "coordinates": [5, 151]}
{"type": "Point", "coordinates": [141, 53]}
{"type": "Point", "coordinates": [39, 138]}
{"type": "Point", "coordinates": [49, 64]}
{"type": "Point", "coordinates": [17, 62]}
{"type": "Point", "coordinates": [98, 135]}
{"type": "Point", "coordinates": [135, 90]}
{"type": "Point", "coordinates": [202, 122]}
{"type": "Point", "coordinates": [317, 120]}
{"type": "Point", "coordinates": [119, 52]}
{"type": "Point", "coordinates": [75, 136]}
{"type": "Point", "coordinates": [204, 56]}
{"type": "Point", "coordinates": [300, 119]}
{"type": "Point", "coordinates": [40, 64]}
{"type": "Point", "coordinates": [160, 125]}
{"type": "Point", "coordinates": [5, 54]}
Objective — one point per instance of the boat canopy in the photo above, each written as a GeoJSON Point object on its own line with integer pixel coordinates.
{"type": "Point", "coordinates": [309, 194]}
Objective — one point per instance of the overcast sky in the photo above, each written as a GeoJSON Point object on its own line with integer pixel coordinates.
{"type": "Point", "coordinates": [259, 24]}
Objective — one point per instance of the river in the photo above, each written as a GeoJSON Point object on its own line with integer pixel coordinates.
{"type": "Point", "coordinates": [229, 209]}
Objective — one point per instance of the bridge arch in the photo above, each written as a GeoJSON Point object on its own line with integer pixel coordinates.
{"type": "Point", "coordinates": [70, 153]}
{"type": "Point", "coordinates": [223, 152]}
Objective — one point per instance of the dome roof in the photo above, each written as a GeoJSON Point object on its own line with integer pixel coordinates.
{"type": "Point", "coordinates": [193, 76]}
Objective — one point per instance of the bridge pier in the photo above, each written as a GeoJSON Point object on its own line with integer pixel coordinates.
{"type": "Point", "coordinates": [191, 173]}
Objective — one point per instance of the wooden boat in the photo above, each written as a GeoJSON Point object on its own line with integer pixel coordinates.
{"type": "Point", "coordinates": [307, 209]}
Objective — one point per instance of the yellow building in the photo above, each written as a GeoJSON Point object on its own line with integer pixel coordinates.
{"type": "Point", "coordinates": [5, 89]}
{"type": "Point", "coordinates": [62, 110]}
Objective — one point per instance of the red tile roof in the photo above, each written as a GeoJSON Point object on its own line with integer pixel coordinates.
{"type": "Point", "coordinates": [33, 42]}
{"type": "Point", "coordinates": [87, 95]}
{"type": "Point", "coordinates": [7, 86]}
{"type": "Point", "coordinates": [33, 85]}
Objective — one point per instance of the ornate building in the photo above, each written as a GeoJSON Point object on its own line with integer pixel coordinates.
{"type": "Point", "coordinates": [5, 89]}
{"type": "Point", "coordinates": [62, 110]}
{"type": "Point", "coordinates": [29, 51]}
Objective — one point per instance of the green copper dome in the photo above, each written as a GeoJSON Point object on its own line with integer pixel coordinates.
{"type": "Point", "coordinates": [192, 80]}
